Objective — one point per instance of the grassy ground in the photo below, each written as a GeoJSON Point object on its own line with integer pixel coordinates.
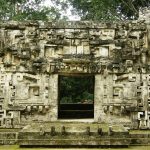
{"type": "Point", "coordinates": [15, 147]}
{"type": "Point", "coordinates": [140, 132]}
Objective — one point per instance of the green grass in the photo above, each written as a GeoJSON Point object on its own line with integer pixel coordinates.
{"type": "Point", "coordinates": [140, 132]}
{"type": "Point", "coordinates": [16, 147]}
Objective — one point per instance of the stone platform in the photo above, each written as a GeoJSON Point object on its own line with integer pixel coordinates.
{"type": "Point", "coordinates": [81, 134]}
{"type": "Point", "coordinates": [73, 134]}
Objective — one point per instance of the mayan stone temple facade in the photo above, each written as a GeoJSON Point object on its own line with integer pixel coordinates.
{"type": "Point", "coordinates": [34, 54]}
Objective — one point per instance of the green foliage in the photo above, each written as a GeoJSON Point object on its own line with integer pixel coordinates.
{"type": "Point", "coordinates": [27, 10]}
{"type": "Point", "coordinates": [108, 9]}
{"type": "Point", "coordinates": [76, 89]}
{"type": "Point", "coordinates": [87, 9]}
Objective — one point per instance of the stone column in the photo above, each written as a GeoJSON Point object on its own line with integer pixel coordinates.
{"type": "Point", "coordinates": [53, 97]}
{"type": "Point", "coordinates": [98, 98]}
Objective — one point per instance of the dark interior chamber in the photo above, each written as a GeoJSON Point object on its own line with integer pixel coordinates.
{"type": "Point", "coordinates": [76, 97]}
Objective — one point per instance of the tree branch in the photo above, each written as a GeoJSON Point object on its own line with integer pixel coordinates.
{"type": "Point", "coordinates": [131, 8]}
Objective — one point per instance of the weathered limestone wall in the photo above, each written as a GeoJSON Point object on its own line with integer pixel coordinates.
{"type": "Point", "coordinates": [33, 54]}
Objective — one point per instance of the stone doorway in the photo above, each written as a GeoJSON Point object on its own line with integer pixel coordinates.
{"type": "Point", "coordinates": [76, 96]}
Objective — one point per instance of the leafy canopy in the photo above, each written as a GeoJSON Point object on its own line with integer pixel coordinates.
{"type": "Point", "coordinates": [86, 9]}
{"type": "Point", "coordinates": [27, 10]}
{"type": "Point", "coordinates": [108, 9]}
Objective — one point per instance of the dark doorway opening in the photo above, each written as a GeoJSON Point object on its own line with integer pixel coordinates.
{"type": "Point", "coordinates": [76, 97]}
